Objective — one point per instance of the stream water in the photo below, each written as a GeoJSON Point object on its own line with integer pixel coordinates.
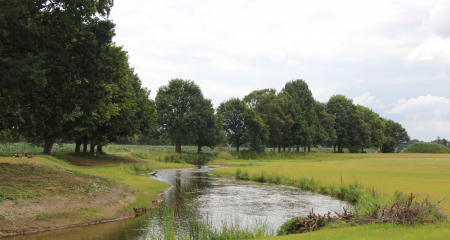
{"type": "Point", "coordinates": [220, 199]}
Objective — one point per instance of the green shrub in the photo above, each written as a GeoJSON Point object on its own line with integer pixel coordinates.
{"type": "Point", "coordinates": [421, 147]}
{"type": "Point", "coordinates": [288, 227]}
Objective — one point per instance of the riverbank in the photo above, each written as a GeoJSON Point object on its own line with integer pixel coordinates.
{"type": "Point", "coordinates": [68, 190]}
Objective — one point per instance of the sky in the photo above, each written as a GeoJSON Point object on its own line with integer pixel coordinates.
{"type": "Point", "coordinates": [392, 56]}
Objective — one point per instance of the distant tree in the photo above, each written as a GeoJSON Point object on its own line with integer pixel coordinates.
{"type": "Point", "coordinates": [272, 108]}
{"type": "Point", "coordinates": [176, 105]}
{"type": "Point", "coordinates": [376, 126]}
{"type": "Point", "coordinates": [358, 131]}
{"type": "Point", "coordinates": [207, 128]}
{"type": "Point", "coordinates": [444, 142]}
{"type": "Point", "coordinates": [302, 112]}
{"type": "Point", "coordinates": [395, 135]}
{"type": "Point", "coordinates": [327, 132]}
{"type": "Point", "coordinates": [242, 124]}
{"type": "Point", "coordinates": [339, 106]}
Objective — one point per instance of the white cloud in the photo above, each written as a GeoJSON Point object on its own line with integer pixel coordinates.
{"type": "Point", "coordinates": [442, 75]}
{"type": "Point", "coordinates": [433, 49]}
{"type": "Point", "coordinates": [427, 130]}
{"type": "Point", "coordinates": [368, 100]}
{"type": "Point", "coordinates": [422, 108]}
{"type": "Point", "coordinates": [439, 19]}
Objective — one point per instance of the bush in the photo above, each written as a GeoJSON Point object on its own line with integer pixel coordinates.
{"type": "Point", "coordinates": [421, 147]}
{"type": "Point", "coordinates": [288, 227]}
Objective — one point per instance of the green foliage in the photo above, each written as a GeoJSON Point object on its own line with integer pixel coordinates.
{"type": "Point", "coordinates": [288, 227]}
{"type": "Point", "coordinates": [243, 125]}
{"type": "Point", "coordinates": [177, 104]}
{"type": "Point", "coordinates": [422, 147]}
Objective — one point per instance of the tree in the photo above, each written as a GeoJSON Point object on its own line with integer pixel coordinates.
{"type": "Point", "coordinates": [358, 131]}
{"type": "Point", "coordinates": [207, 128]}
{"type": "Point", "coordinates": [136, 112]}
{"type": "Point", "coordinates": [176, 105]}
{"type": "Point", "coordinates": [327, 121]}
{"type": "Point", "coordinates": [302, 111]}
{"type": "Point", "coordinates": [395, 135]}
{"type": "Point", "coordinates": [340, 106]}
{"type": "Point", "coordinates": [272, 108]}
{"type": "Point", "coordinates": [51, 52]}
{"type": "Point", "coordinates": [376, 124]}
{"type": "Point", "coordinates": [242, 124]}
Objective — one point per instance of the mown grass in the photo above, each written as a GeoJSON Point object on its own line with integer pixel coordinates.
{"type": "Point", "coordinates": [375, 178]}
{"type": "Point", "coordinates": [375, 232]}
{"type": "Point", "coordinates": [422, 174]}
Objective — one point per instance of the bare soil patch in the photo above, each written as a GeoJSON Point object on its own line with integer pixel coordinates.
{"type": "Point", "coordinates": [39, 197]}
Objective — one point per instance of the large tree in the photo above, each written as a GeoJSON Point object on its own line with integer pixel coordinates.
{"type": "Point", "coordinates": [242, 124]}
{"type": "Point", "coordinates": [272, 108]}
{"type": "Point", "coordinates": [326, 134]}
{"type": "Point", "coordinates": [358, 131]}
{"type": "Point", "coordinates": [176, 105]}
{"type": "Point", "coordinates": [51, 58]}
{"type": "Point", "coordinates": [395, 136]}
{"type": "Point", "coordinates": [376, 125]}
{"type": "Point", "coordinates": [301, 109]}
{"type": "Point", "coordinates": [340, 107]}
{"type": "Point", "coordinates": [208, 128]}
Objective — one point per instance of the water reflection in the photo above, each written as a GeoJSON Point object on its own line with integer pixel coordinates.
{"type": "Point", "coordinates": [220, 199]}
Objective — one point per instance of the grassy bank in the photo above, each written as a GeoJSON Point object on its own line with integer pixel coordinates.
{"type": "Point", "coordinates": [47, 192]}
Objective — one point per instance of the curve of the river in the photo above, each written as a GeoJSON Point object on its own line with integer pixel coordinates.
{"type": "Point", "coordinates": [221, 199]}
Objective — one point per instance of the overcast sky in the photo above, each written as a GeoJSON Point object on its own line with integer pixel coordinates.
{"type": "Point", "coordinates": [391, 56]}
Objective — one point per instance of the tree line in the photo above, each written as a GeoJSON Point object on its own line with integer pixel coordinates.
{"type": "Point", "coordinates": [63, 78]}
{"type": "Point", "coordinates": [291, 118]}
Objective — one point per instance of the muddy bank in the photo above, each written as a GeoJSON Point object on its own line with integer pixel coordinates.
{"type": "Point", "coordinates": [54, 212]}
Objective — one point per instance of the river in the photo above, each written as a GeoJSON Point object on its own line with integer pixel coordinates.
{"type": "Point", "coordinates": [220, 199]}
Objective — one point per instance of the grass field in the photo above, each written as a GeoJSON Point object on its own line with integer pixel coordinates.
{"type": "Point", "coordinates": [422, 174]}
{"type": "Point", "coordinates": [374, 232]}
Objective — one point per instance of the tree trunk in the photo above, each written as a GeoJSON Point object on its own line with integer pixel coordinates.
{"type": "Point", "coordinates": [48, 147]}
{"type": "Point", "coordinates": [237, 146]}
{"type": "Point", "coordinates": [85, 144]}
{"type": "Point", "coordinates": [100, 148]}
{"type": "Point", "coordinates": [279, 147]}
{"type": "Point", "coordinates": [298, 148]}
{"type": "Point", "coordinates": [92, 147]}
{"type": "Point", "coordinates": [304, 148]}
{"type": "Point", "coordinates": [362, 149]}
{"type": "Point", "coordinates": [178, 145]}
{"type": "Point", "coordinates": [284, 148]}
{"type": "Point", "coordinates": [199, 150]}
{"type": "Point", "coordinates": [309, 148]}
{"type": "Point", "coordinates": [78, 145]}
{"type": "Point", "coordinates": [334, 148]}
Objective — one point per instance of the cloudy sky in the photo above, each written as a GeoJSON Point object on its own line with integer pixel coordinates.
{"type": "Point", "coordinates": [390, 55]}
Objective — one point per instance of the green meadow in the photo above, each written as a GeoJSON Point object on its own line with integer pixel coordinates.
{"type": "Point", "coordinates": [421, 174]}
